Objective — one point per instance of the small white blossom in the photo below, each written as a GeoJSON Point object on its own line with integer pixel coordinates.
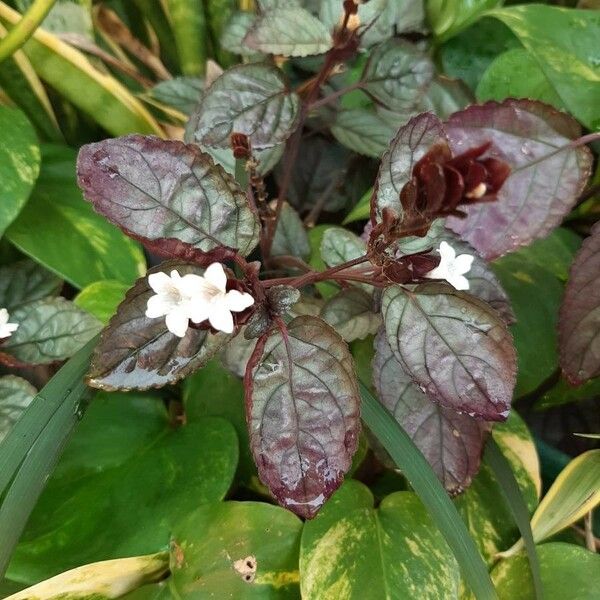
{"type": "Point", "coordinates": [6, 328]}
{"type": "Point", "coordinates": [196, 298]}
{"type": "Point", "coordinates": [452, 268]}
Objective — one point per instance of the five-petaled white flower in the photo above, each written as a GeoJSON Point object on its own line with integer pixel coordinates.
{"type": "Point", "coordinates": [6, 328]}
{"type": "Point", "coordinates": [452, 268]}
{"type": "Point", "coordinates": [196, 298]}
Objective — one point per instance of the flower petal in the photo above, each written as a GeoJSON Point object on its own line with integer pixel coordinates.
{"type": "Point", "coordinates": [177, 322]}
{"type": "Point", "coordinates": [459, 282]}
{"type": "Point", "coordinates": [198, 309]}
{"type": "Point", "coordinates": [3, 316]}
{"type": "Point", "coordinates": [447, 252]}
{"type": "Point", "coordinates": [462, 263]}
{"type": "Point", "coordinates": [440, 272]}
{"type": "Point", "coordinates": [238, 301]}
{"type": "Point", "coordinates": [215, 274]}
{"type": "Point", "coordinates": [195, 286]}
{"type": "Point", "coordinates": [220, 318]}
{"type": "Point", "coordinates": [160, 282]}
{"type": "Point", "coordinates": [158, 306]}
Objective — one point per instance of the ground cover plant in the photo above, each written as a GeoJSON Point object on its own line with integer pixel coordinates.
{"type": "Point", "coordinates": [299, 299]}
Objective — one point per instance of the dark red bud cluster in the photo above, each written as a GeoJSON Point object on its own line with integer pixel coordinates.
{"type": "Point", "coordinates": [410, 268]}
{"type": "Point", "coordinates": [240, 144]}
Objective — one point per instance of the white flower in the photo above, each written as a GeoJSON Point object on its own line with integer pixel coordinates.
{"type": "Point", "coordinates": [197, 298]}
{"type": "Point", "coordinates": [452, 268]}
{"type": "Point", "coordinates": [6, 328]}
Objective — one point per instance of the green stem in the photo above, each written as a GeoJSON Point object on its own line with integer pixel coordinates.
{"type": "Point", "coordinates": [421, 477]}
{"type": "Point", "coordinates": [24, 29]}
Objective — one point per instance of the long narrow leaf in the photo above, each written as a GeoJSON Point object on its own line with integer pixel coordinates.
{"type": "Point", "coordinates": [189, 27]}
{"type": "Point", "coordinates": [427, 486]}
{"type": "Point", "coordinates": [506, 478]}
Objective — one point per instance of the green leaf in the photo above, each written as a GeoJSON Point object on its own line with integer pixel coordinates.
{"type": "Point", "coordinates": [363, 131]}
{"type": "Point", "coordinates": [235, 31]}
{"type": "Point", "coordinates": [352, 546]}
{"type": "Point", "coordinates": [563, 393]}
{"type": "Point", "coordinates": [397, 74]}
{"type": "Point", "coordinates": [338, 245]}
{"type": "Point", "coordinates": [101, 298]}
{"type": "Point", "coordinates": [290, 236]}
{"type": "Point", "coordinates": [236, 550]}
{"type": "Point", "coordinates": [137, 352]}
{"type": "Point", "coordinates": [564, 42]}
{"type": "Point", "coordinates": [19, 163]}
{"type": "Point", "coordinates": [430, 491]}
{"type": "Point", "coordinates": [568, 571]}
{"type": "Point", "coordinates": [253, 99]}
{"type": "Point", "coordinates": [362, 209]}
{"type": "Point", "coordinates": [350, 313]}
{"type": "Point", "coordinates": [315, 238]}
{"type": "Point", "coordinates": [303, 413]}
{"type": "Point", "coordinates": [97, 249]}
{"type": "Point", "coordinates": [123, 504]}
{"type": "Point", "coordinates": [516, 74]}
{"type": "Point", "coordinates": [188, 22]}
{"type": "Point", "coordinates": [447, 18]}
{"type": "Point", "coordinates": [181, 93]}
{"type": "Point", "coordinates": [25, 281]}
{"type": "Point", "coordinates": [288, 31]}
{"type": "Point", "coordinates": [16, 394]}
{"type": "Point", "coordinates": [157, 189]}
{"type": "Point", "coordinates": [50, 330]}
{"type": "Point", "coordinates": [445, 96]}
{"type": "Point", "coordinates": [453, 345]}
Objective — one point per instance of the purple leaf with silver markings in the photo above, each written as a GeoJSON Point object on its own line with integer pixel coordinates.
{"type": "Point", "coordinates": [451, 442]}
{"type": "Point", "coordinates": [157, 188]}
{"type": "Point", "coordinates": [137, 353]}
{"type": "Point", "coordinates": [544, 183]}
{"type": "Point", "coordinates": [579, 320]}
{"type": "Point", "coordinates": [454, 346]}
{"type": "Point", "coordinates": [302, 404]}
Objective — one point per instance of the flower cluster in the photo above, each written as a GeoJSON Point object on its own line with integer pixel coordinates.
{"type": "Point", "coordinates": [6, 328]}
{"type": "Point", "coordinates": [195, 298]}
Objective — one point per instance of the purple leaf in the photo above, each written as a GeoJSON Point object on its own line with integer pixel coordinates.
{"type": "Point", "coordinates": [412, 141]}
{"type": "Point", "coordinates": [454, 346]}
{"type": "Point", "coordinates": [136, 352]}
{"type": "Point", "coordinates": [302, 405]}
{"type": "Point", "coordinates": [543, 185]}
{"type": "Point", "coordinates": [579, 319]}
{"type": "Point", "coordinates": [451, 442]}
{"type": "Point", "coordinates": [166, 189]}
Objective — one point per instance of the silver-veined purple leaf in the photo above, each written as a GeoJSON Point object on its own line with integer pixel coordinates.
{"type": "Point", "coordinates": [544, 183]}
{"type": "Point", "coordinates": [451, 442]}
{"type": "Point", "coordinates": [253, 99]}
{"type": "Point", "coordinates": [157, 188]}
{"type": "Point", "coordinates": [412, 141]}
{"type": "Point", "coordinates": [454, 346]}
{"type": "Point", "coordinates": [579, 319]}
{"type": "Point", "coordinates": [350, 313]}
{"type": "Point", "coordinates": [137, 353]}
{"type": "Point", "coordinates": [302, 405]}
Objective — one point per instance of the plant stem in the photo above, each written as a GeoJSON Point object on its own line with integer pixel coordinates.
{"type": "Point", "coordinates": [335, 95]}
{"type": "Point", "coordinates": [24, 29]}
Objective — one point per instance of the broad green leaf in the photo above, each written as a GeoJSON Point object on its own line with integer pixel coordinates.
{"type": "Point", "coordinates": [181, 93]}
{"type": "Point", "coordinates": [50, 330]}
{"type": "Point", "coordinates": [253, 99]}
{"type": "Point", "coordinates": [445, 96]}
{"type": "Point", "coordinates": [397, 74]}
{"type": "Point", "coordinates": [350, 313]}
{"type": "Point", "coordinates": [447, 18]}
{"type": "Point", "coordinates": [362, 209]}
{"type": "Point", "coordinates": [124, 504]}
{"type": "Point", "coordinates": [564, 42]}
{"type": "Point", "coordinates": [563, 393]}
{"type": "Point", "coordinates": [101, 298]}
{"type": "Point", "coordinates": [363, 131]}
{"type": "Point", "coordinates": [535, 295]}
{"type": "Point", "coordinates": [25, 281]}
{"type": "Point", "coordinates": [235, 31]}
{"type": "Point", "coordinates": [338, 245]}
{"type": "Point", "coordinates": [96, 93]}
{"type": "Point", "coordinates": [456, 347]}
{"type": "Point", "coordinates": [547, 176]}
{"type": "Point", "coordinates": [516, 74]}
{"type": "Point", "coordinates": [188, 22]}
{"type": "Point", "coordinates": [288, 31]}
{"type": "Point", "coordinates": [105, 579]}
{"type": "Point", "coordinates": [352, 550]}
{"type": "Point", "coordinates": [303, 413]}
{"type": "Point", "coordinates": [96, 249]}
{"type": "Point", "coordinates": [451, 442]}
{"type": "Point", "coordinates": [236, 550]}
{"type": "Point", "coordinates": [578, 325]}
{"type": "Point", "coordinates": [290, 236]}
{"type": "Point", "coordinates": [574, 493]}
{"type": "Point", "coordinates": [315, 239]}
{"type": "Point", "coordinates": [568, 571]}
{"type": "Point", "coordinates": [19, 163]}
{"type": "Point", "coordinates": [167, 189]}
{"type": "Point", "coordinates": [16, 395]}
{"type": "Point", "coordinates": [136, 352]}
{"type": "Point", "coordinates": [482, 506]}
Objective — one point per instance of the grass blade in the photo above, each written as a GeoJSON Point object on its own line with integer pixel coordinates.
{"type": "Point", "coordinates": [189, 27]}
{"type": "Point", "coordinates": [427, 486]}
{"type": "Point", "coordinates": [514, 498]}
